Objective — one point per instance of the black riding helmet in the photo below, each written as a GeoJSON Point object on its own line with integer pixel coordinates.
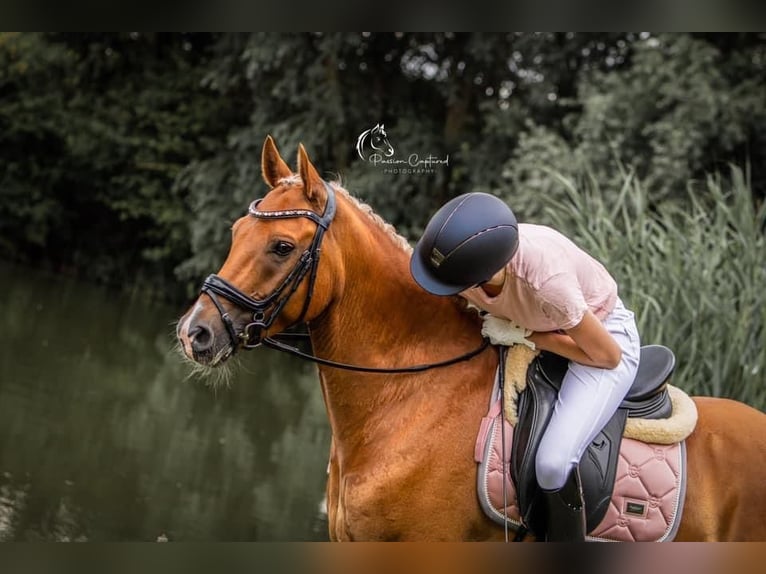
{"type": "Point", "coordinates": [464, 244]}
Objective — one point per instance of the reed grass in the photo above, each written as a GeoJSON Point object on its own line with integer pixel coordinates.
{"type": "Point", "coordinates": [693, 270]}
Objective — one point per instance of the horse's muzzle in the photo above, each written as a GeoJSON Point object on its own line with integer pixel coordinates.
{"type": "Point", "coordinates": [202, 340]}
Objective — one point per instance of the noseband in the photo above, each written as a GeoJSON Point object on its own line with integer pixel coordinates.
{"type": "Point", "coordinates": [265, 311]}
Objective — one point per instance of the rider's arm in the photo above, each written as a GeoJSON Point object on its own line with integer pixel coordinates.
{"type": "Point", "coordinates": [588, 343]}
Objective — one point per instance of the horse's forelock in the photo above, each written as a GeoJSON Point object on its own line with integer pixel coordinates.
{"type": "Point", "coordinates": [290, 179]}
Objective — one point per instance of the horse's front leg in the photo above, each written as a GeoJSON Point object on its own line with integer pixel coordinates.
{"type": "Point", "coordinates": [334, 509]}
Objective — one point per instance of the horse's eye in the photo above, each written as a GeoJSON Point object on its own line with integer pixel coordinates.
{"type": "Point", "coordinates": [283, 248]}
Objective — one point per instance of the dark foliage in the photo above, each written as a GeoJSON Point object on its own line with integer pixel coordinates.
{"type": "Point", "coordinates": [126, 156]}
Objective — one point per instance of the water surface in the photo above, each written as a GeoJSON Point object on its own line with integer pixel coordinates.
{"type": "Point", "coordinates": [102, 437]}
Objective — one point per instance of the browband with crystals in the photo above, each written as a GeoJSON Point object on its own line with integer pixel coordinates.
{"type": "Point", "coordinates": [324, 220]}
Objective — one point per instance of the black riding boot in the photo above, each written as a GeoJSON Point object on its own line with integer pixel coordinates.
{"type": "Point", "coordinates": [566, 511]}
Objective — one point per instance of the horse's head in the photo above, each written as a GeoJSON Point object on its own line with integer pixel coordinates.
{"type": "Point", "coordinates": [271, 278]}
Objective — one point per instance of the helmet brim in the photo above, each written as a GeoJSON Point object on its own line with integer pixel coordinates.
{"type": "Point", "coordinates": [423, 276]}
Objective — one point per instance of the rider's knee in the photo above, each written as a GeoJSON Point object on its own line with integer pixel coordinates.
{"type": "Point", "coordinates": [552, 467]}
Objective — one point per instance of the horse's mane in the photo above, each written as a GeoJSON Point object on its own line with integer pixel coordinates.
{"type": "Point", "coordinates": [376, 219]}
{"type": "Point", "coordinates": [390, 230]}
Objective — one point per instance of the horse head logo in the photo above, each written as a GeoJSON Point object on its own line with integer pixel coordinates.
{"type": "Point", "coordinates": [373, 141]}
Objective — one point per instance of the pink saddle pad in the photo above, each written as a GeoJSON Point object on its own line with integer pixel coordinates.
{"type": "Point", "coordinates": [649, 487]}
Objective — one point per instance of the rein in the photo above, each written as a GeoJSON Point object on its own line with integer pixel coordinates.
{"type": "Point", "coordinates": [289, 349]}
{"type": "Point", "coordinates": [250, 337]}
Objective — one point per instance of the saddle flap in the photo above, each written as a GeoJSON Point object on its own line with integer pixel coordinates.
{"type": "Point", "coordinates": [536, 405]}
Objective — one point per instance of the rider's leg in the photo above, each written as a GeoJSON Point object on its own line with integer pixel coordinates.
{"type": "Point", "coordinates": [588, 398]}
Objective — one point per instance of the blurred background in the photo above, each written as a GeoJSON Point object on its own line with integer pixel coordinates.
{"type": "Point", "coordinates": [124, 159]}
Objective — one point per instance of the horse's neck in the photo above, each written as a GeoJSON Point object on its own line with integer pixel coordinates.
{"type": "Point", "coordinates": [383, 319]}
{"type": "Point", "coordinates": [380, 309]}
{"type": "Point", "coordinates": [382, 314]}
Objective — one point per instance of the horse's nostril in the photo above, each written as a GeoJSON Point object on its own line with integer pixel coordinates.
{"type": "Point", "coordinates": [201, 338]}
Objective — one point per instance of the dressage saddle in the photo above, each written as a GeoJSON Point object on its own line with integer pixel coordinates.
{"type": "Point", "coordinates": [648, 398]}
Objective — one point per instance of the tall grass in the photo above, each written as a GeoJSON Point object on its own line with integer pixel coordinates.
{"type": "Point", "coordinates": [693, 270]}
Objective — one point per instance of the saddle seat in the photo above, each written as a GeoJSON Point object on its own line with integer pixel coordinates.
{"type": "Point", "coordinates": [648, 398]}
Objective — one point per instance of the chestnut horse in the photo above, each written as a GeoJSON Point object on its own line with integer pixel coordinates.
{"type": "Point", "coordinates": [401, 461]}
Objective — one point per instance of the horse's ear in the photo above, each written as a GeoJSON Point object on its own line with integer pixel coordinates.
{"type": "Point", "coordinates": [312, 183]}
{"type": "Point", "coordinates": [272, 165]}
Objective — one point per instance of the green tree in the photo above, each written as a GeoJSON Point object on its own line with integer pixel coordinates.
{"type": "Point", "coordinates": [127, 155]}
{"type": "Point", "coordinates": [685, 106]}
{"type": "Point", "coordinates": [94, 130]}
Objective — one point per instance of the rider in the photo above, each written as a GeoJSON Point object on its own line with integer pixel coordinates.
{"type": "Point", "coordinates": [568, 304]}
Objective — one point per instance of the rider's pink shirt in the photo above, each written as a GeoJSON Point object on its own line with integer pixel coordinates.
{"type": "Point", "coordinates": [550, 283]}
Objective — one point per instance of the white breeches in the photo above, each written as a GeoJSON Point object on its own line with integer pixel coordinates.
{"type": "Point", "coordinates": [588, 398]}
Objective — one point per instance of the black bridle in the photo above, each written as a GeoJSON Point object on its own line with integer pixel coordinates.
{"type": "Point", "coordinates": [265, 311]}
